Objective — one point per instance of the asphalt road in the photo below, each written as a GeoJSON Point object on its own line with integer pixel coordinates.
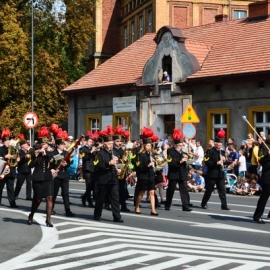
{"type": "Point", "coordinates": [230, 229]}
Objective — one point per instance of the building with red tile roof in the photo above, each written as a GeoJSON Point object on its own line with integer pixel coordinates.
{"type": "Point", "coordinates": [232, 80]}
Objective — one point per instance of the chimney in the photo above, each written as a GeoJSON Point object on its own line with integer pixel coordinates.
{"type": "Point", "coordinates": [259, 10]}
{"type": "Point", "coordinates": [221, 18]}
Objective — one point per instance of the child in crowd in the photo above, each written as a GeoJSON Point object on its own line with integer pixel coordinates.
{"type": "Point", "coordinates": [236, 185]}
{"type": "Point", "coordinates": [243, 188]}
{"type": "Point", "coordinates": [242, 164]}
{"type": "Point", "coordinates": [199, 181]}
{"type": "Point", "coordinates": [132, 179]}
{"type": "Point", "coordinates": [254, 188]}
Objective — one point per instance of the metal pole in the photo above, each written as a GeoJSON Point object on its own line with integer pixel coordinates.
{"type": "Point", "coordinates": [32, 71]}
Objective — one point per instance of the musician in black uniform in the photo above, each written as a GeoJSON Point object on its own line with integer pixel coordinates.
{"type": "Point", "coordinates": [87, 154]}
{"type": "Point", "coordinates": [9, 178]}
{"type": "Point", "coordinates": [24, 171]}
{"type": "Point", "coordinates": [62, 178]}
{"type": "Point", "coordinates": [119, 152]}
{"type": "Point", "coordinates": [178, 172]}
{"type": "Point", "coordinates": [107, 181]}
{"type": "Point", "coordinates": [264, 160]}
{"type": "Point", "coordinates": [145, 164]}
{"type": "Point", "coordinates": [42, 177]}
{"type": "Point", "coordinates": [214, 162]}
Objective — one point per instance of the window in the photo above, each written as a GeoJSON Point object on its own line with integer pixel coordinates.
{"type": "Point", "coordinates": [217, 119]}
{"type": "Point", "coordinates": [93, 122]}
{"type": "Point", "coordinates": [141, 26]}
{"type": "Point", "coordinates": [125, 36]}
{"type": "Point", "coordinates": [259, 118]}
{"type": "Point", "coordinates": [239, 14]}
{"type": "Point", "coordinates": [122, 119]}
{"type": "Point", "coordinates": [149, 20]}
{"type": "Point", "coordinates": [132, 26]}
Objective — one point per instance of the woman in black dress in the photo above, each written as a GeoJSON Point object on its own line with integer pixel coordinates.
{"type": "Point", "coordinates": [42, 179]}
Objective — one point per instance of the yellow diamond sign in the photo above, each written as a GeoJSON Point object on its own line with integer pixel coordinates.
{"type": "Point", "coordinates": [189, 115]}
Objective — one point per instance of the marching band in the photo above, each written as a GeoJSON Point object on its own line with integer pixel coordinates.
{"type": "Point", "coordinates": [108, 158]}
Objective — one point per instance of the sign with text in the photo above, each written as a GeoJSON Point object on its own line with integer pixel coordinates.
{"type": "Point", "coordinates": [124, 104]}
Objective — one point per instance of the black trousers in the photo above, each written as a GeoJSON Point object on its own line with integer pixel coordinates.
{"type": "Point", "coordinates": [262, 201]}
{"type": "Point", "coordinates": [220, 183]}
{"type": "Point", "coordinates": [183, 190]}
{"type": "Point", "coordinates": [112, 190]}
{"type": "Point", "coordinates": [21, 177]}
{"type": "Point", "coordinates": [64, 184]}
{"type": "Point", "coordinates": [123, 192]}
{"type": "Point", "coordinates": [9, 182]}
{"type": "Point", "coordinates": [89, 187]}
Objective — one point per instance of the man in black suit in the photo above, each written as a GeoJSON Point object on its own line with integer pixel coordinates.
{"type": "Point", "coordinates": [24, 171]}
{"type": "Point", "coordinates": [177, 174]}
{"type": "Point", "coordinates": [214, 162]}
{"type": "Point", "coordinates": [107, 181]}
{"type": "Point", "coordinates": [62, 178]}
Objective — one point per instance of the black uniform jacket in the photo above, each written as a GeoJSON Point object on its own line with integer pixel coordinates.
{"type": "Point", "coordinates": [118, 152]}
{"type": "Point", "coordinates": [214, 170]}
{"type": "Point", "coordinates": [23, 166]}
{"type": "Point", "coordinates": [54, 163]}
{"type": "Point", "coordinates": [143, 171]}
{"type": "Point", "coordinates": [3, 152]}
{"type": "Point", "coordinates": [87, 159]}
{"type": "Point", "coordinates": [177, 170]}
{"type": "Point", "coordinates": [264, 160]}
{"type": "Point", "coordinates": [106, 174]}
{"type": "Point", "coordinates": [41, 165]}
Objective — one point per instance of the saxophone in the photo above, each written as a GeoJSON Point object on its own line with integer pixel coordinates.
{"type": "Point", "coordinates": [14, 152]}
{"type": "Point", "coordinates": [127, 163]}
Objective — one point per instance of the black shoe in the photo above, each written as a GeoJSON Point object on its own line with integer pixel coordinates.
{"type": "Point", "coordinates": [130, 197]}
{"type": "Point", "coordinates": [225, 208]}
{"type": "Point", "coordinates": [162, 202]}
{"type": "Point", "coordinates": [158, 205]}
{"type": "Point", "coordinates": [30, 219]}
{"type": "Point", "coordinates": [118, 220]}
{"type": "Point", "coordinates": [70, 214]}
{"type": "Point", "coordinates": [187, 209]}
{"type": "Point", "coordinates": [268, 216]}
{"type": "Point", "coordinates": [167, 208]}
{"type": "Point", "coordinates": [83, 200]}
{"type": "Point", "coordinates": [48, 223]}
{"type": "Point", "coordinates": [154, 214]}
{"type": "Point", "coordinates": [125, 209]}
{"type": "Point", "coordinates": [107, 207]}
{"type": "Point", "coordinates": [259, 220]}
{"type": "Point", "coordinates": [28, 199]}
{"type": "Point", "coordinates": [190, 204]}
{"type": "Point", "coordinates": [14, 205]}
{"type": "Point", "coordinates": [97, 218]}
{"type": "Point", "coordinates": [204, 206]}
{"type": "Point", "coordinates": [53, 212]}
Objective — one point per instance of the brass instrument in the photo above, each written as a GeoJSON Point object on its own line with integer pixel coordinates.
{"type": "Point", "coordinates": [126, 165]}
{"type": "Point", "coordinates": [14, 152]}
{"type": "Point", "coordinates": [160, 162]}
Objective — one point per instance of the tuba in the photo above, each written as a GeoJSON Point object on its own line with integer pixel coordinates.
{"type": "Point", "coordinates": [13, 150]}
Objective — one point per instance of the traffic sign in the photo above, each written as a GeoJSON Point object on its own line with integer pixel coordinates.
{"type": "Point", "coordinates": [189, 116]}
{"type": "Point", "coordinates": [30, 120]}
{"type": "Point", "coordinates": [189, 130]}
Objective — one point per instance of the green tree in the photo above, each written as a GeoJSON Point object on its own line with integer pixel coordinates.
{"type": "Point", "coordinates": [60, 45]}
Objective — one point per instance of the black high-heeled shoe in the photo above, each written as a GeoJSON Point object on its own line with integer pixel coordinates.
{"type": "Point", "coordinates": [30, 219]}
{"type": "Point", "coordinates": [48, 224]}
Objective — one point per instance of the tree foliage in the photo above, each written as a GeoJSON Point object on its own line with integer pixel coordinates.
{"type": "Point", "coordinates": [60, 46]}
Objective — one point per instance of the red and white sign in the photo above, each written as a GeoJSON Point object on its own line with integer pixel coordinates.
{"type": "Point", "coordinates": [30, 120]}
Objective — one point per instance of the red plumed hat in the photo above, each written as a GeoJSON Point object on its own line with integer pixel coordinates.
{"type": "Point", "coordinates": [60, 137]}
{"type": "Point", "coordinates": [221, 134]}
{"type": "Point", "coordinates": [6, 135]}
{"type": "Point", "coordinates": [125, 135]}
{"type": "Point", "coordinates": [65, 135]}
{"type": "Point", "coordinates": [109, 130]}
{"type": "Point", "coordinates": [154, 138]}
{"type": "Point", "coordinates": [89, 135]}
{"type": "Point", "coordinates": [118, 133]}
{"type": "Point", "coordinates": [43, 135]}
{"type": "Point", "coordinates": [146, 135]}
{"type": "Point", "coordinates": [177, 135]}
{"type": "Point", "coordinates": [95, 135]}
{"type": "Point", "coordinates": [54, 128]}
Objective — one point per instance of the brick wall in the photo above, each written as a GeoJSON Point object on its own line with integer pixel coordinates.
{"type": "Point", "coordinates": [111, 32]}
{"type": "Point", "coordinates": [259, 9]}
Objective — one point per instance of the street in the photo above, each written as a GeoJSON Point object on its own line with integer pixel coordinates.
{"type": "Point", "coordinates": [201, 239]}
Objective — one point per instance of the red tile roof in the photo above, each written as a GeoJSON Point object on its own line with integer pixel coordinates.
{"type": "Point", "coordinates": [223, 48]}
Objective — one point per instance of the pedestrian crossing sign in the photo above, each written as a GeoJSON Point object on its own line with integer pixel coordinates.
{"type": "Point", "coordinates": [189, 115]}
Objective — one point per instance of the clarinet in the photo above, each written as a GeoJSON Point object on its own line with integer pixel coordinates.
{"type": "Point", "coordinates": [221, 158]}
